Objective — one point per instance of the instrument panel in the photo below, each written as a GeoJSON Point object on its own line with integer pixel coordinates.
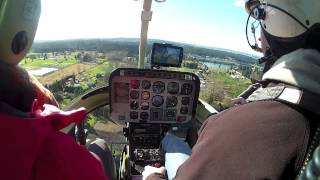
{"type": "Point", "coordinates": [153, 96]}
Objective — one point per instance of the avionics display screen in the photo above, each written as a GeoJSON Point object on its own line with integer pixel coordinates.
{"type": "Point", "coordinates": [121, 92]}
{"type": "Point", "coordinates": [166, 55]}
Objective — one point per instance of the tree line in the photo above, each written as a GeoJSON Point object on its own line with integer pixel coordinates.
{"type": "Point", "coordinates": [131, 46]}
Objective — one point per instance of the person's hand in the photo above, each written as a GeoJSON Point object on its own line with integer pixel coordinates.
{"type": "Point", "coordinates": [44, 96]}
{"type": "Point", "coordinates": [149, 170]}
{"type": "Point", "coordinates": [59, 119]}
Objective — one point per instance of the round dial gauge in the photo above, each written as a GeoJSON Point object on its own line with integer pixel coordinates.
{"type": "Point", "coordinates": [171, 101]}
{"type": "Point", "coordinates": [186, 89]}
{"type": "Point", "coordinates": [146, 84]}
{"type": "Point", "coordinates": [134, 105]}
{"type": "Point", "coordinates": [145, 105]}
{"type": "Point", "coordinates": [173, 88]}
{"type": "Point", "coordinates": [144, 115]}
{"type": "Point", "coordinates": [145, 95]}
{"type": "Point", "coordinates": [185, 100]}
{"type": "Point", "coordinates": [134, 115]}
{"type": "Point", "coordinates": [158, 87]}
{"type": "Point", "coordinates": [134, 94]}
{"type": "Point", "coordinates": [157, 101]}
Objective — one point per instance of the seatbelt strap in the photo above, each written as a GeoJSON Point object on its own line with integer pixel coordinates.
{"type": "Point", "coordinates": [300, 98]}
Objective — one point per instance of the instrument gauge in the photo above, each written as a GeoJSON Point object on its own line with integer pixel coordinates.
{"type": "Point", "coordinates": [173, 88]}
{"type": "Point", "coordinates": [134, 94]}
{"type": "Point", "coordinates": [134, 105]}
{"type": "Point", "coordinates": [145, 105]}
{"type": "Point", "coordinates": [186, 89]}
{"type": "Point", "coordinates": [158, 87]}
{"type": "Point", "coordinates": [185, 100]}
{"type": "Point", "coordinates": [144, 115]}
{"type": "Point", "coordinates": [146, 84]}
{"type": "Point", "coordinates": [145, 95]}
{"type": "Point", "coordinates": [134, 115]}
{"type": "Point", "coordinates": [157, 101]}
{"type": "Point", "coordinates": [171, 101]}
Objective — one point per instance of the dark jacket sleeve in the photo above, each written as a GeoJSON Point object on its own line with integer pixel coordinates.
{"type": "Point", "coordinates": [261, 140]}
{"type": "Point", "coordinates": [61, 158]}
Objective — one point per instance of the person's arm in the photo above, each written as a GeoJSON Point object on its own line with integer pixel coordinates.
{"type": "Point", "coordinates": [261, 140]}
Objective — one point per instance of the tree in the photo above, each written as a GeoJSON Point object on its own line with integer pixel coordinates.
{"type": "Point", "coordinates": [214, 93]}
{"type": "Point", "coordinates": [45, 56]}
{"type": "Point", "coordinates": [191, 64]}
{"type": "Point", "coordinates": [88, 57]}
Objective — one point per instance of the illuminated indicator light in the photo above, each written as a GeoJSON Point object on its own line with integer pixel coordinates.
{"type": "Point", "coordinates": [134, 84]}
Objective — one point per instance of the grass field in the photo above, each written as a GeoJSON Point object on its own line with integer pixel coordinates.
{"type": "Point", "coordinates": [233, 87]}
{"type": "Point", "coordinates": [29, 64]}
{"type": "Point", "coordinates": [62, 73]}
{"type": "Point", "coordinates": [221, 88]}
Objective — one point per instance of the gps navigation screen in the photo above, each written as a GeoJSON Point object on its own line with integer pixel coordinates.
{"type": "Point", "coordinates": [166, 55]}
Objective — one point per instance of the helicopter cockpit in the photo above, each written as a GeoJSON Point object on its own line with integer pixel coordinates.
{"type": "Point", "coordinates": [149, 102]}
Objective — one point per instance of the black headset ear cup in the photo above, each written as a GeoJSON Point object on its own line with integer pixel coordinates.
{"type": "Point", "coordinates": [259, 13]}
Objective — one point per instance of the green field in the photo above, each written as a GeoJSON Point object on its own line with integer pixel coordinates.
{"type": "Point", "coordinates": [221, 88]}
{"type": "Point", "coordinates": [30, 64]}
{"type": "Point", "coordinates": [233, 87]}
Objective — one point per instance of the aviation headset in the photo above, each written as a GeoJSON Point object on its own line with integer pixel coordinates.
{"type": "Point", "coordinates": [18, 25]}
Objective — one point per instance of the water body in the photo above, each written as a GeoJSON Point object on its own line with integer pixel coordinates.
{"type": "Point", "coordinates": [217, 65]}
{"type": "Point", "coordinates": [42, 71]}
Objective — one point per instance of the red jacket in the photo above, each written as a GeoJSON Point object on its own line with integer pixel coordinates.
{"type": "Point", "coordinates": [34, 149]}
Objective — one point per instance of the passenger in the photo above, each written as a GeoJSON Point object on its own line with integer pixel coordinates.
{"type": "Point", "coordinates": [32, 146]}
{"type": "Point", "coordinates": [270, 136]}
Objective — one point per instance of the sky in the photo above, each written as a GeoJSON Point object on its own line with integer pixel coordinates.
{"type": "Point", "coordinates": [214, 23]}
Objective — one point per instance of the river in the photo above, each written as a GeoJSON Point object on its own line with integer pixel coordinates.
{"type": "Point", "coordinates": [217, 65]}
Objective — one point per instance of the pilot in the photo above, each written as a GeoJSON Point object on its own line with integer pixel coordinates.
{"type": "Point", "coordinates": [272, 135]}
{"type": "Point", "coordinates": [32, 146]}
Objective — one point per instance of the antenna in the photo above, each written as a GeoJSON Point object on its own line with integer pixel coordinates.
{"type": "Point", "coordinates": [146, 17]}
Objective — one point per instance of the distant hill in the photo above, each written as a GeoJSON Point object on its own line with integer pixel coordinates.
{"type": "Point", "coordinates": [131, 46]}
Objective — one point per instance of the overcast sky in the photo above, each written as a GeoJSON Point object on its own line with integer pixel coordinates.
{"type": "Point", "coordinates": [215, 23]}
